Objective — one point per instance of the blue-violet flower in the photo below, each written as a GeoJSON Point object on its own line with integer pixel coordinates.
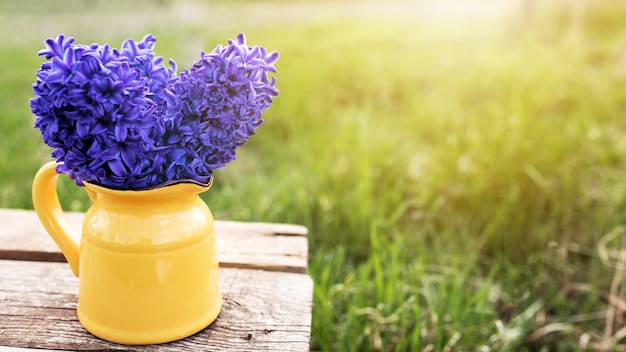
{"type": "Point", "coordinates": [121, 119]}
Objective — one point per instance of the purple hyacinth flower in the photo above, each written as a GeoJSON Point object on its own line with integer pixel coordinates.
{"type": "Point", "coordinates": [217, 105]}
{"type": "Point", "coordinates": [121, 119]}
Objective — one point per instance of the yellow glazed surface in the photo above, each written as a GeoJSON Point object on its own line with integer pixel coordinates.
{"type": "Point", "coordinates": [146, 262]}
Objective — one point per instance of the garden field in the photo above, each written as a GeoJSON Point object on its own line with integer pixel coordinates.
{"type": "Point", "coordinates": [460, 165]}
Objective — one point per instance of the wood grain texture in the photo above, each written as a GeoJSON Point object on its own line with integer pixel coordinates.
{"type": "Point", "coordinates": [263, 311]}
{"type": "Point", "coordinates": [266, 246]}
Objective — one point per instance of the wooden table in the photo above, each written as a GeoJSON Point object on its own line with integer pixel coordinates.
{"type": "Point", "coordinates": [267, 293]}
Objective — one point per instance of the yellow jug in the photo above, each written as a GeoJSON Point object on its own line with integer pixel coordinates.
{"type": "Point", "coordinates": [146, 260]}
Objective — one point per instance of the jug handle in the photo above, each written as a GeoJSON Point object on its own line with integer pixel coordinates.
{"type": "Point", "coordinates": [48, 208]}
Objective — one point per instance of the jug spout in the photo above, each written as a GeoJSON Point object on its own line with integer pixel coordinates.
{"type": "Point", "coordinates": [48, 208]}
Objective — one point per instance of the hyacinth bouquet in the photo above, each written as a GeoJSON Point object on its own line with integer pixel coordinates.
{"type": "Point", "coordinates": [121, 119]}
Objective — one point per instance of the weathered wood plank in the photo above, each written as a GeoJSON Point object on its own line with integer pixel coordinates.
{"type": "Point", "coordinates": [276, 247]}
{"type": "Point", "coordinates": [263, 311]}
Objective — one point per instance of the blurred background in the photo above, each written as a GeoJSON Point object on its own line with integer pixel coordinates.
{"type": "Point", "coordinates": [459, 164]}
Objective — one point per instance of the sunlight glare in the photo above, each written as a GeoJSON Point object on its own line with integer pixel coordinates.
{"type": "Point", "coordinates": [468, 10]}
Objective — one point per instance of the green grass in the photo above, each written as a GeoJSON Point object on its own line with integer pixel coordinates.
{"type": "Point", "coordinates": [462, 181]}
